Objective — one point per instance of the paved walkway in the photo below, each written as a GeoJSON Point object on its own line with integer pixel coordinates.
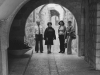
{"type": "Point", "coordinates": [58, 64]}
{"type": "Point", "coordinates": [18, 64]}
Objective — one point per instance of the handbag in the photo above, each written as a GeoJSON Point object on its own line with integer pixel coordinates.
{"type": "Point", "coordinates": [73, 36]}
{"type": "Point", "coordinates": [65, 45]}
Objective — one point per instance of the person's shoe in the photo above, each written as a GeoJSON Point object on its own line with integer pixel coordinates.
{"type": "Point", "coordinates": [41, 52]}
{"type": "Point", "coordinates": [60, 52]}
{"type": "Point", "coordinates": [49, 52]}
{"type": "Point", "coordinates": [63, 51]}
{"type": "Point", "coordinates": [36, 51]}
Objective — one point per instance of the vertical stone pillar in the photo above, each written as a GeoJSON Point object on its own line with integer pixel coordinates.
{"type": "Point", "coordinates": [86, 13]}
{"type": "Point", "coordinates": [0, 56]}
{"type": "Point", "coordinates": [3, 48]}
{"type": "Point", "coordinates": [90, 31]}
{"type": "Point", "coordinates": [98, 38]}
{"type": "Point", "coordinates": [82, 32]}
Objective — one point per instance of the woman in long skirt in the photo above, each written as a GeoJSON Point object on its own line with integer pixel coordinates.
{"type": "Point", "coordinates": [69, 38]}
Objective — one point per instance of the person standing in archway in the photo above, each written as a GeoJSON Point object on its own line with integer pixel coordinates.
{"type": "Point", "coordinates": [39, 37]}
{"type": "Point", "coordinates": [70, 35]}
{"type": "Point", "coordinates": [61, 34]}
{"type": "Point", "coordinates": [49, 36]}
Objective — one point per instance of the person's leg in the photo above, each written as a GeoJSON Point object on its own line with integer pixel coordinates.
{"type": "Point", "coordinates": [63, 48]}
{"type": "Point", "coordinates": [69, 51]}
{"type": "Point", "coordinates": [36, 46]}
{"type": "Point", "coordinates": [60, 43]}
{"type": "Point", "coordinates": [47, 48]}
{"type": "Point", "coordinates": [71, 45]}
{"type": "Point", "coordinates": [41, 46]}
{"type": "Point", "coordinates": [50, 48]}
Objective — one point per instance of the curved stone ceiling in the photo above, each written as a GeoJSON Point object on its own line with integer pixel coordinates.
{"type": "Point", "coordinates": [8, 7]}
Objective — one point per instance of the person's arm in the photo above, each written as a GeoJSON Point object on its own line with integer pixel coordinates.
{"type": "Point", "coordinates": [45, 34]}
{"type": "Point", "coordinates": [42, 33]}
{"type": "Point", "coordinates": [54, 35]}
{"type": "Point", "coordinates": [65, 34]}
{"type": "Point", "coordinates": [35, 32]}
{"type": "Point", "coordinates": [58, 31]}
{"type": "Point", "coordinates": [65, 29]}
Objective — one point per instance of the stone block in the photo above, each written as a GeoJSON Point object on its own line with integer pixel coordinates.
{"type": "Point", "coordinates": [97, 66]}
{"type": "Point", "coordinates": [92, 64]}
{"type": "Point", "coordinates": [98, 13]}
{"type": "Point", "coordinates": [98, 60]}
{"type": "Point", "coordinates": [98, 38]}
{"type": "Point", "coordinates": [98, 30]}
{"type": "Point", "coordinates": [0, 63]}
{"type": "Point", "coordinates": [98, 21]}
{"type": "Point", "coordinates": [98, 6]}
{"type": "Point", "coordinates": [98, 46]}
{"type": "Point", "coordinates": [98, 53]}
{"type": "Point", "coordinates": [98, 63]}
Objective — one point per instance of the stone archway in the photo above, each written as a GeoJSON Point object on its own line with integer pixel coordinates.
{"type": "Point", "coordinates": [28, 7]}
{"type": "Point", "coordinates": [22, 15]}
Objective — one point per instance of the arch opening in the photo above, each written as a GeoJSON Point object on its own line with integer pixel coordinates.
{"type": "Point", "coordinates": [49, 13]}
{"type": "Point", "coordinates": [20, 22]}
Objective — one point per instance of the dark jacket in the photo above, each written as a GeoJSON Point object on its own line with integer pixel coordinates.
{"type": "Point", "coordinates": [49, 33]}
{"type": "Point", "coordinates": [70, 32]}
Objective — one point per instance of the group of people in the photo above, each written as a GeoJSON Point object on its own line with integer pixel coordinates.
{"type": "Point", "coordinates": [65, 36]}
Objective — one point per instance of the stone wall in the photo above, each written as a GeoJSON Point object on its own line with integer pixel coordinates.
{"type": "Point", "coordinates": [17, 31]}
{"type": "Point", "coordinates": [0, 55]}
{"type": "Point", "coordinates": [92, 33]}
{"type": "Point", "coordinates": [98, 38]}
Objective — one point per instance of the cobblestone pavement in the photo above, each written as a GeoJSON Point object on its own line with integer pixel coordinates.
{"type": "Point", "coordinates": [58, 64]}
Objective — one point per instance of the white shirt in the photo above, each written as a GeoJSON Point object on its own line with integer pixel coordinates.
{"type": "Point", "coordinates": [61, 30]}
{"type": "Point", "coordinates": [37, 29]}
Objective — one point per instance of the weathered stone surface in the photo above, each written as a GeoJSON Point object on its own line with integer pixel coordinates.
{"type": "Point", "coordinates": [0, 61]}
{"type": "Point", "coordinates": [59, 64]}
{"type": "Point", "coordinates": [98, 39]}
{"type": "Point", "coordinates": [98, 30]}
{"type": "Point", "coordinates": [18, 64]}
{"type": "Point", "coordinates": [98, 60]}
{"type": "Point", "coordinates": [97, 46]}
{"type": "Point", "coordinates": [98, 53]}
{"type": "Point", "coordinates": [98, 6]}
{"type": "Point", "coordinates": [98, 66]}
{"type": "Point", "coordinates": [98, 21]}
{"type": "Point", "coordinates": [98, 13]}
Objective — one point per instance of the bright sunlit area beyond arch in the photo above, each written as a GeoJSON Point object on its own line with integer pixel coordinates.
{"type": "Point", "coordinates": [48, 13]}
{"type": "Point", "coordinates": [58, 8]}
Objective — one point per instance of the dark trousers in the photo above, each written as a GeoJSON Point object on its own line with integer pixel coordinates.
{"type": "Point", "coordinates": [62, 40]}
{"type": "Point", "coordinates": [39, 42]}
